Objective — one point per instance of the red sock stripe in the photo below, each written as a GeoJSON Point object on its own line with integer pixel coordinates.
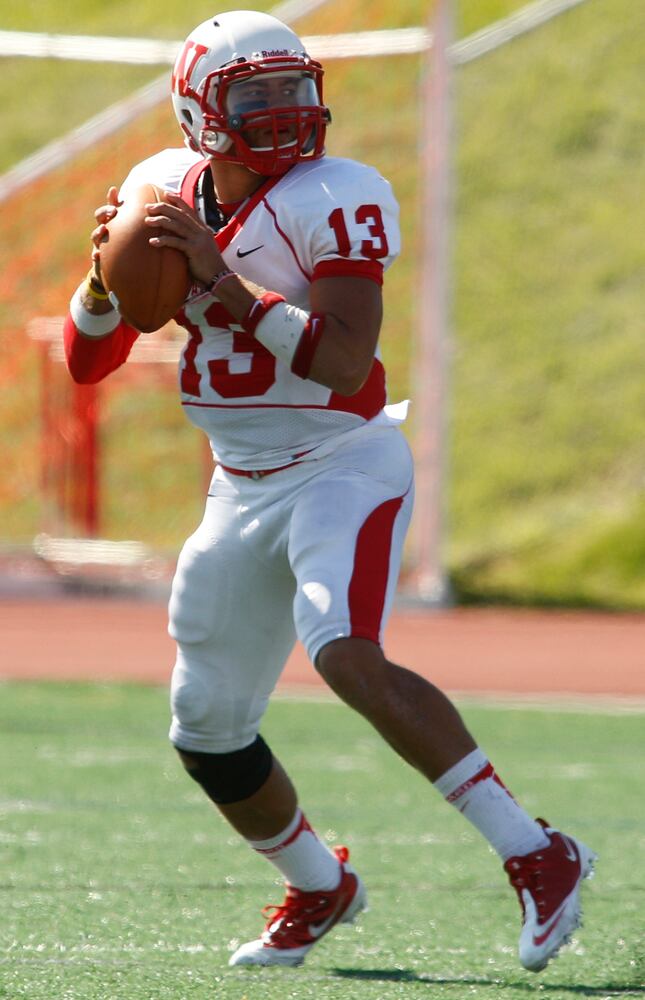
{"type": "Point", "coordinates": [304, 355]}
{"type": "Point", "coordinates": [303, 825]}
{"type": "Point", "coordinates": [368, 585]}
{"type": "Point", "coordinates": [488, 771]}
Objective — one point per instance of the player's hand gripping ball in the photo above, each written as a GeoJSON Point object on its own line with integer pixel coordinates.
{"type": "Point", "coordinates": [150, 283]}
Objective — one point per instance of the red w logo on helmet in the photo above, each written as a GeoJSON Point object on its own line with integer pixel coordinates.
{"type": "Point", "coordinates": [184, 67]}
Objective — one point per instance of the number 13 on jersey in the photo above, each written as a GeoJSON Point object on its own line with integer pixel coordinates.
{"type": "Point", "coordinates": [368, 216]}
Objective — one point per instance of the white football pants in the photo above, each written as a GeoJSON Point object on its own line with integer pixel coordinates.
{"type": "Point", "coordinates": [312, 551]}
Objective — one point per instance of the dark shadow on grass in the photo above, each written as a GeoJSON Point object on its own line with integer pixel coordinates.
{"type": "Point", "coordinates": [406, 976]}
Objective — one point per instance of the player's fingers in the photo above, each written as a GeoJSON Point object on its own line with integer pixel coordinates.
{"type": "Point", "coordinates": [155, 207]}
{"type": "Point", "coordinates": [175, 199]}
{"type": "Point", "coordinates": [166, 240]}
{"type": "Point", "coordinates": [104, 213]}
{"type": "Point", "coordinates": [173, 203]}
{"type": "Point", "coordinates": [173, 218]}
{"type": "Point", "coordinates": [177, 202]}
{"type": "Point", "coordinates": [165, 218]}
{"type": "Point", "coordinates": [112, 196]}
{"type": "Point", "coordinates": [100, 235]}
{"type": "Point", "coordinates": [96, 264]}
{"type": "Point", "coordinates": [166, 223]}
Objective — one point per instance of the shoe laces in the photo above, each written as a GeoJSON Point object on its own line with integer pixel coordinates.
{"type": "Point", "coordinates": [526, 873]}
{"type": "Point", "coordinates": [291, 918]}
{"type": "Point", "coordinates": [541, 873]}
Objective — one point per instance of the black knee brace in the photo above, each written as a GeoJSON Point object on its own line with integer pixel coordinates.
{"type": "Point", "coordinates": [230, 777]}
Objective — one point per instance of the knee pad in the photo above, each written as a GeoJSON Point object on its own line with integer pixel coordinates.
{"type": "Point", "coordinates": [230, 777]}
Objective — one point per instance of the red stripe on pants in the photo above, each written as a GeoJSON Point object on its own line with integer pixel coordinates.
{"type": "Point", "coordinates": [367, 587]}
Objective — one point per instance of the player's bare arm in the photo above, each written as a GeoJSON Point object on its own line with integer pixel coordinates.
{"type": "Point", "coordinates": [353, 308]}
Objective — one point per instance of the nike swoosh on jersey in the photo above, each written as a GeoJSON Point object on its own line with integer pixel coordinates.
{"type": "Point", "coordinates": [245, 253]}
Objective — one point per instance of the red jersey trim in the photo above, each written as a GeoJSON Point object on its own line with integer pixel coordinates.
{"type": "Point", "coordinates": [371, 269]}
{"type": "Point", "coordinates": [233, 226]}
{"type": "Point", "coordinates": [235, 223]}
{"type": "Point", "coordinates": [189, 183]}
{"type": "Point", "coordinates": [369, 400]}
{"type": "Point", "coordinates": [91, 359]}
{"type": "Point", "coordinates": [286, 239]}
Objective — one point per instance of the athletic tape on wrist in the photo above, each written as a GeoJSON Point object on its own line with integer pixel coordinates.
{"type": "Point", "coordinates": [259, 309]}
{"type": "Point", "coordinates": [281, 329]}
{"type": "Point", "coordinates": [290, 333]}
{"type": "Point", "coordinates": [90, 324]}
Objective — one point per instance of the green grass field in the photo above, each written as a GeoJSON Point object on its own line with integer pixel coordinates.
{"type": "Point", "coordinates": [120, 883]}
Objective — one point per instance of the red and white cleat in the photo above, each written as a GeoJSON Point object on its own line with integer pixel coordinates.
{"type": "Point", "coordinates": [548, 884]}
{"type": "Point", "coordinates": [303, 919]}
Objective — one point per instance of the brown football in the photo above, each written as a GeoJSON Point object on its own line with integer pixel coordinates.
{"type": "Point", "coordinates": [151, 283]}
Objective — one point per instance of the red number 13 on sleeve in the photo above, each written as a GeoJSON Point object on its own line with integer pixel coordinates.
{"type": "Point", "coordinates": [370, 216]}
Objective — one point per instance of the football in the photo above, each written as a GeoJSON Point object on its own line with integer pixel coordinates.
{"type": "Point", "coordinates": [150, 283]}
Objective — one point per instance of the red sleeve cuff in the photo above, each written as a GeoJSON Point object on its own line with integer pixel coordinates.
{"type": "Point", "coordinates": [91, 359]}
{"type": "Point", "coordinates": [258, 310]}
{"type": "Point", "coordinates": [345, 268]}
{"type": "Point", "coordinates": [304, 354]}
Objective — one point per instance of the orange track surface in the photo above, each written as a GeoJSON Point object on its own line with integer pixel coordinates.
{"type": "Point", "coordinates": [469, 650]}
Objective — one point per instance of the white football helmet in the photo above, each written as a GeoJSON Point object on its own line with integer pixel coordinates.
{"type": "Point", "coordinates": [244, 90]}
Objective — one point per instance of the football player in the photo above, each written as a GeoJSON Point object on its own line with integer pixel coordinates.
{"type": "Point", "coordinates": [312, 489]}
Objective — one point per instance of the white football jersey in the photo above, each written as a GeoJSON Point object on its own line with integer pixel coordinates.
{"type": "Point", "coordinates": [326, 217]}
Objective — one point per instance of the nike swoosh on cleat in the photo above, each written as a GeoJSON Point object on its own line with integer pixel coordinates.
{"type": "Point", "coordinates": [317, 930]}
{"type": "Point", "coordinates": [571, 852]}
{"type": "Point", "coordinates": [539, 939]}
{"type": "Point", "coordinates": [245, 253]}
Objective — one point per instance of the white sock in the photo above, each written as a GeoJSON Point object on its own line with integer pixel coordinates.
{"type": "Point", "coordinates": [473, 787]}
{"type": "Point", "coordinates": [303, 859]}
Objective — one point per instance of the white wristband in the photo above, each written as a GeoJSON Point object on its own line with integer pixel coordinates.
{"type": "Point", "coordinates": [281, 329]}
{"type": "Point", "coordinates": [89, 324]}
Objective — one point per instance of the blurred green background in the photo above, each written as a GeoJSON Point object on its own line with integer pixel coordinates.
{"type": "Point", "coordinates": [545, 488]}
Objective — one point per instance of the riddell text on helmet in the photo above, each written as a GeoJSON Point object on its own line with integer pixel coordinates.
{"type": "Point", "coordinates": [266, 54]}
